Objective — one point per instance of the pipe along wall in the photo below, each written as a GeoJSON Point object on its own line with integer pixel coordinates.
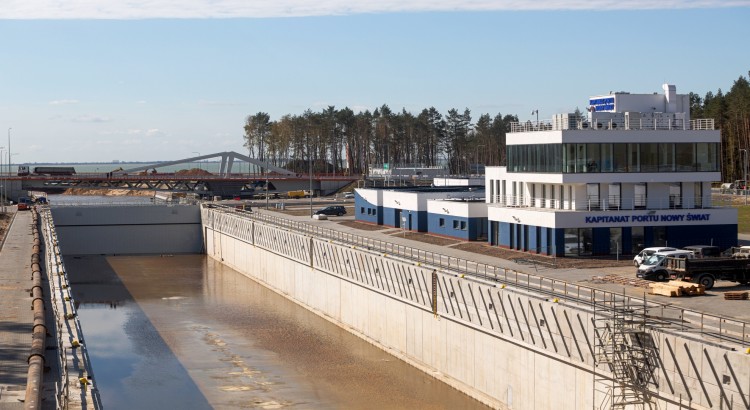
{"type": "Point", "coordinates": [39, 333]}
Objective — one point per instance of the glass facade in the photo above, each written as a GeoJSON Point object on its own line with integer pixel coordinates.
{"type": "Point", "coordinates": [614, 157]}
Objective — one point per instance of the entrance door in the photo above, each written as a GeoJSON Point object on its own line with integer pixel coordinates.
{"type": "Point", "coordinates": [397, 222]}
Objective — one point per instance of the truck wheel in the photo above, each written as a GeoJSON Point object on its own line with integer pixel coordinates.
{"type": "Point", "coordinates": [661, 276]}
{"type": "Point", "coordinates": [636, 264]}
{"type": "Point", "coordinates": [707, 281]}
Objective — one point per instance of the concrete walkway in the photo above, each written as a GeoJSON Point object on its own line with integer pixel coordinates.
{"type": "Point", "coordinates": [16, 316]}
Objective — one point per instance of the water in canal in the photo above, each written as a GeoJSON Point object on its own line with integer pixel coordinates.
{"type": "Point", "coordinates": [187, 332]}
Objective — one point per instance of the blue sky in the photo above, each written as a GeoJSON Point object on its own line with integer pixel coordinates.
{"type": "Point", "coordinates": [163, 79]}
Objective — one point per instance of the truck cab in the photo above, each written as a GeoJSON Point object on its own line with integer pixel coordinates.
{"type": "Point", "coordinates": [654, 268]}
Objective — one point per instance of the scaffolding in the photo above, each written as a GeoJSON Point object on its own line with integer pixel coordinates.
{"type": "Point", "coordinates": [624, 355]}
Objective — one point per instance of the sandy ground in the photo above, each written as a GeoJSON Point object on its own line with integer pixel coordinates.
{"type": "Point", "coordinates": [5, 219]}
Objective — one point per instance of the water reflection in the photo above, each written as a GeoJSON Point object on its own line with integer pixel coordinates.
{"type": "Point", "coordinates": [193, 325]}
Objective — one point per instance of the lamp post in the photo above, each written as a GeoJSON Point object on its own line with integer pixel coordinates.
{"type": "Point", "coordinates": [9, 150]}
{"type": "Point", "coordinates": [537, 116]}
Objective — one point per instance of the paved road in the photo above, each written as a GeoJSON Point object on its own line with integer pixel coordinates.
{"type": "Point", "coordinates": [16, 316]}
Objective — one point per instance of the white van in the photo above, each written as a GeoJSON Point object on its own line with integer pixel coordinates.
{"type": "Point", "coordinates": [645, 253]}
{"type": "Point", "coordinates": [654, 268]}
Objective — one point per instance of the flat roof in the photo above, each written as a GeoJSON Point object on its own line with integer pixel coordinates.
{"type": "Point", "coordinates": [434, 189]}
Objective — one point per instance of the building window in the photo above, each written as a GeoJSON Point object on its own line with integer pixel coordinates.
{"type": "Point", "coordinates": [374, 211]}
{"type": "Point", "coordinates": [612, 157]}
{"type": "Point", "coordinates": [641, 196]}
{"type": "Point", "coordinates": [592, 197]}
{"type": "Point", "coordinates": [637, 238]}
{"type": "Point", "coordinates": [455, 224]}
{"type": "Point", "coordinates": [660, 235]}
{"type": "Point", "coordinates": [463, 225]}
{"type": "Point", "coordinates": [362, 209]}
{"type": "Point", "coordinates": [614, 197]}
{"type": "Point", "coordinates": [369, 211]}
{"type": "Point", "coordinates": [442, 222]}
{"type": "Point", "coordinates": [615, 241]}
{"type": "Point", "coordinates": [675, 195]}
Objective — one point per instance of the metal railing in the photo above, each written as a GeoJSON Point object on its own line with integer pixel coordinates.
{"type": "Point", "coordinates": [656, 124]}
{"type": "Point", "coordinates": [659, 314]}
{"type": "Point", "coordinates": [595, 203]}
{"type": "Point", "coordinates": [55, 267]}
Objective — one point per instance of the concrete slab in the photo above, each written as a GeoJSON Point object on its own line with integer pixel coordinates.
{"type": "Point", "coordinates": [16, 316]}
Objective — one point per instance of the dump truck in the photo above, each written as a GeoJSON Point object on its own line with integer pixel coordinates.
{"type": "Point", "coordinates": [707, 271]}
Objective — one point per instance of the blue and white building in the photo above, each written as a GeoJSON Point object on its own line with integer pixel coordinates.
{"type": "Point", "coordinates": [453, 211]}
{"type": "Point", "coordinates": [635, 171]}
{"type": "Point", "coordinates": [460, 218]}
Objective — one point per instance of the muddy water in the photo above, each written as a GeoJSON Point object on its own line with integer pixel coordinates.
{"type": "Point", "coordinates": [187, 332]}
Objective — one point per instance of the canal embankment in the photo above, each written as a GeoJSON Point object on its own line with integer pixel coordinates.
{"type": "Point", "coordinates": [510, 339]}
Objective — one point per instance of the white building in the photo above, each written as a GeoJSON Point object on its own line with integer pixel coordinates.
{"type": "Point", "coordinates": [635, 171]}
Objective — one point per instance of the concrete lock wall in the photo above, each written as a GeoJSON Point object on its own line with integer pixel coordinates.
{"type": "Point", "coordinates": [505, 346]}
{"type": "Point", "coordinates": [128, 229]}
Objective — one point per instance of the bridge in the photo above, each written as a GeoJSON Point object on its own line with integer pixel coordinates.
{"type": "Point", "coordinates": [264, 179]}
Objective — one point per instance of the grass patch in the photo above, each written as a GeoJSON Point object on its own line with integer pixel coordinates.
{"type": "Point", "coordinates": [743, 218]}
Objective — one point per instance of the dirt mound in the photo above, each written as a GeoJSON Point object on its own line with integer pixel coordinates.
{"type": "Point", "coordinates": [107, 192]}
{"type": "Point", "coordinates": [192, 171]}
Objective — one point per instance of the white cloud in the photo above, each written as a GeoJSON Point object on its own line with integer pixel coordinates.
{"type": "Point", "coordinates": [91, 118]}
{"type": "Point", "coordinates": [155, 132]}
{"type": "Point", "coordinates": [145, 9]}
{"type": "Point", "coordinates": [63, 102]}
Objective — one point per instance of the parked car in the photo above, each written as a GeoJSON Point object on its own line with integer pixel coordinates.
{"type": "Point", "coordinates": [348, 195]}
{"type": "Point", "coordinates": [654, 268]}
{"type": "Point", "coordinates": [647, 252]}
{"type": "Point", "coordinates": [24, 203]}
{"type": "Point", "coordinates": [743, 252]}
{"type": "Point", "coordinates": [704, 251]}
{"type": "Point", "coordinates": [333, 210]}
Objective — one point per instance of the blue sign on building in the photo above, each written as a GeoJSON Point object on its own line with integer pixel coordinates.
{"type": "Point", "coordinates": [603, 104]}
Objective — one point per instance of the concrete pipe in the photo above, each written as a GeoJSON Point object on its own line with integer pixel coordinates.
{"type": "Point", "coordinates": [39, 334]}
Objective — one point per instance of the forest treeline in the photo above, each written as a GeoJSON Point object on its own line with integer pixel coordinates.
{"type": "Point", "coordinates": [731, 115]}
{"type": "Point", "coordinates": [339, 140]}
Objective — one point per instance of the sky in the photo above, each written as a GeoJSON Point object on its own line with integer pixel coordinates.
{"type": "Point", "coordinates": [159, 80]}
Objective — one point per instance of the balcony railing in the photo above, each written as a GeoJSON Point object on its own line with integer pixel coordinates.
{"type": "Point", "coordinates": [610, 125]}
{"type": "Point", "coordinates": [594, 203]}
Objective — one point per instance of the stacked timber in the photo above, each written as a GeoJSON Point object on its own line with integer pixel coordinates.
{"type": "Point", "coordinates": [675, 288]}
{"type": "Point", "coordinates": [735, 295]}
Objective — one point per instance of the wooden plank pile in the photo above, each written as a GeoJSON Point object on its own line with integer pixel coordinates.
{"type": "Point", "coordinates": [735, 295]}
{"type": "Point", "coordinates": [675, 288]}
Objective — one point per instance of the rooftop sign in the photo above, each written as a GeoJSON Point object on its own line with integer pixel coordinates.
{"type": "Point", "coordinates": [602, 104]}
